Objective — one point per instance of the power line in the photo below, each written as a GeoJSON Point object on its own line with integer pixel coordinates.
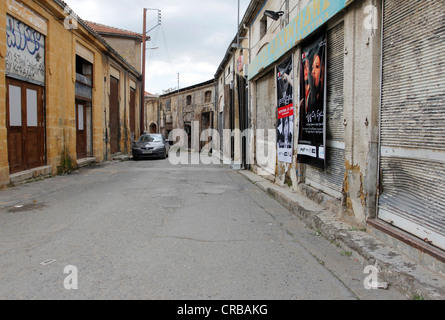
{"type": "Point", "coordinates": [146, 3]}
{"type": "Point", "coordinates": [139, 3]}
{"type": "Point", "coordinates": [165, 44]}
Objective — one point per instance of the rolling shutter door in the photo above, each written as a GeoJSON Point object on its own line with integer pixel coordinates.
{"type": "Point", "coordinates": [331, 180]}
{"type": "Point", "coordinates": [413, 119]}
{"type": "Point", "coordinates": [266, 147]}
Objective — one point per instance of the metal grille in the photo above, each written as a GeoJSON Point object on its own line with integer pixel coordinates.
{"type": "Point", "coordinates": [413, 75]}
{"type": "Point", "coordinates": [333, 176]}
{"type": "Point", "coordinates": [336, 49]}
{"type": "Point", "coordinates": [414, 182]}
{"type": "Point", "coordinates": [413, 118]}
{"type": "Point", "coordinates": [266, 119]}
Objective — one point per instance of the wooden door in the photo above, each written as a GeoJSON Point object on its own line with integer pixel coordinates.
{"type": "Point", "coordinates": [133, 113]}
{"type": "Point", "coordinates": [25, 125]}
{"type": "Point", "coordinates": [14, 116]}
{"type": "Point", "coordinates": [81, 122]}
{"type": "Point", "coordinates": [114, 115]}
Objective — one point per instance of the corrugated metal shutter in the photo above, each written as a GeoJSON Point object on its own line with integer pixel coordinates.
{"type": "Point", "coordinates": [332, 178]}
{"type": "Point", "coordinates": [413, 118]}
{"type": "Point", "coordinates": [266, 147]}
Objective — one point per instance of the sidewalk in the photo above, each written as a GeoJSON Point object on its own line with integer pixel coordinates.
{"type": "Point", "coordinates": [397, 269]}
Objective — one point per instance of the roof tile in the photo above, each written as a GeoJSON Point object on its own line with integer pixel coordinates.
{"type": "Point", "coordinates": [103, 29]}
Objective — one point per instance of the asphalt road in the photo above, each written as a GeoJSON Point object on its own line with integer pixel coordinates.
{"type": "Point", "coordinates": [153, 230]}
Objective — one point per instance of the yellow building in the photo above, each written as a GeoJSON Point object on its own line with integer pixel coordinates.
{"type": "Point", "coordinates": [65, 93]}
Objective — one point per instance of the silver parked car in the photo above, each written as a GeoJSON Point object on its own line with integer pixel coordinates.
{"type": "Point", "coordinates": [150, 146]}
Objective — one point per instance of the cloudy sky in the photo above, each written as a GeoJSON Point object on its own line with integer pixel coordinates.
{"type": "Point", "coordinates": [191, 41]}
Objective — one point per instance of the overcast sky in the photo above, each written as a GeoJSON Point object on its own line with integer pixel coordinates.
{"type": "Point", "coordinates": [192, 39]}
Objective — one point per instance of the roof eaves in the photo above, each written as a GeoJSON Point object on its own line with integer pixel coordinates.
{"type": "Point", "coordinates": [111, 50]}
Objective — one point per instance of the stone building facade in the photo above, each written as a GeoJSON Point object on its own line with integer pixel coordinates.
{"type": "Point", "coordinates": [129, 45]}
{"type": "Point", "coordinates": [191, 109]}
{"type": "Point", "coordinates": [67, 92]}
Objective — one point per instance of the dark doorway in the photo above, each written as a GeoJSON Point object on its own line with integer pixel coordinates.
{"type": "Point", "coordinates": [83, 107]}
{"type": "Point", "coordinates": [81, 126]}
{"type": "Point", "coordinates": [243, 119]}
{"type": "Point", "coordinates": [133, 114]}
{"type": "Point", "coordinates": [114, 116]}
{"type": "Point", "coordinates": [153, 128]}
{"type": "Point", "coordinates": [207, 124]}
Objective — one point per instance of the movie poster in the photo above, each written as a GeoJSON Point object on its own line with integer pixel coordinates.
{"type": "Point", "coordinates": [285, 125]}
{"type": "Point", "coordinates": [312, 134]}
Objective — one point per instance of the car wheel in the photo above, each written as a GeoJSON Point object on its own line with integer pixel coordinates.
{"type": "Point", "coordinates": [164, 156]}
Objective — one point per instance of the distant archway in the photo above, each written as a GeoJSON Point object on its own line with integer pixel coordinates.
{"type": "Point", "coordinates": [153, 128]}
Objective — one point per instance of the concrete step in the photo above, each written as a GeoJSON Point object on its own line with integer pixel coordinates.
{"type": "Point", "coordinates": [29, 175]}
{"type": "Point", "coordinates": [86, 162]}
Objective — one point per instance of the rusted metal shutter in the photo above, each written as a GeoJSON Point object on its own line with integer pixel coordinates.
{"type": "Point", "coordinates": [413, 118]}
{"type": "Point", "coordinates": [331, 179]}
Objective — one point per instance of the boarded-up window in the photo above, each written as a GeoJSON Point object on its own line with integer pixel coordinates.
{"type": "Point", "coordinates": [208, 97]}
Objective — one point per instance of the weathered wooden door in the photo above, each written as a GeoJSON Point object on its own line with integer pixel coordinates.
{"type": "Point", "coordinates": [133, 113]}
{"type": "Point", "coordinates": [81, 122]}
{"type": "Point", "coordinates": [114, 115]}
{"type": "Point", "coordinates": [25, 125]}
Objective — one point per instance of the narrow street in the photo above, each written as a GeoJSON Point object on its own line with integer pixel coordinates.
{"type": "Point", "coordinates": [151, 230]}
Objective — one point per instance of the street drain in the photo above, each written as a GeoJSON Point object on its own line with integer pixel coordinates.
{"type": "Point", "coordinates": [27, 207]}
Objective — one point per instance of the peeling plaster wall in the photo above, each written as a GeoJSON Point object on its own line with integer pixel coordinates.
{"type": "Point", "coordinates": [362, 100]}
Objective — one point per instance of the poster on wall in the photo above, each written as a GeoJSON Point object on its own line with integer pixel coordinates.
{"type": "Point", "coordinates": [285, 125]}
{"type": "Point", "coordinates": [25, 55]}
{"type": "Point", "coordinates": [312, 135]}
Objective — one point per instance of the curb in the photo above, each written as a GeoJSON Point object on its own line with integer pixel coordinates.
{"type": "Point", "coordinates": [413, 280]}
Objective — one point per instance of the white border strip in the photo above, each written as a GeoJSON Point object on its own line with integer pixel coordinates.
{"type": "Point", "coordinates": [423, 233]}
{"type": "Point", "coordinates": [420, 154]}
{"type": "Point", "coordinates": [336, 144]}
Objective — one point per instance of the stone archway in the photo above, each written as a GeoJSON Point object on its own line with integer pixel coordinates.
{"type": "Point", "coordinates": [153, 128]}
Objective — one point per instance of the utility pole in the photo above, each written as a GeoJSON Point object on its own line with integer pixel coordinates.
{"type": "Point", "coordinates": [144, 54]}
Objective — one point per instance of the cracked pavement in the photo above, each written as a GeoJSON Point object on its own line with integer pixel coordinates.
{"type": "Point", "coordinates": [152, 230]}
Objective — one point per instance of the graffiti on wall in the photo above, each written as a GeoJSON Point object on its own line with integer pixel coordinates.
{"type": "Point", "coordinates": [25, 56]}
